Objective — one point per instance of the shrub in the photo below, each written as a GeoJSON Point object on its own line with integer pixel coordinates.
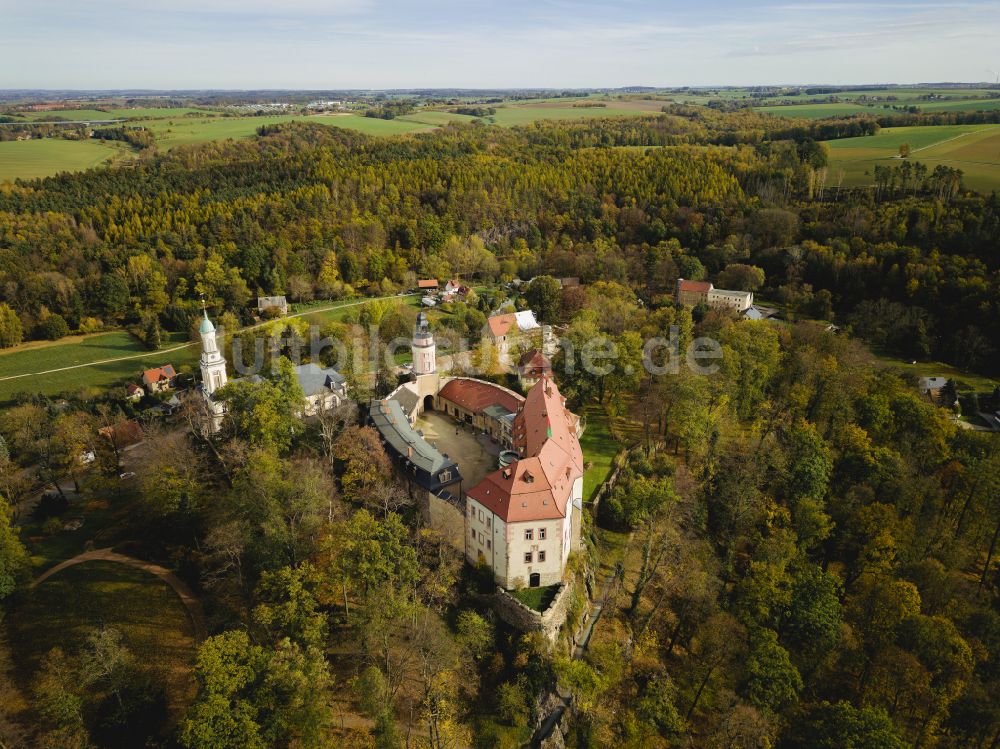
{"type": "Point", "coordinates": [53, 328]}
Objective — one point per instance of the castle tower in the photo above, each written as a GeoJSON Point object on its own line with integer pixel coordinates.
{"type": "Point", "coordinates": [422, 348]}
{"type": "Point", "coordinates": [213, 370]}
{"type": "Point", "coordinates": [425, 374]}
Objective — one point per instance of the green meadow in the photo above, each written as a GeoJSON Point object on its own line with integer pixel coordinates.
{"type": "Point", "coordinates": [187, 131]}
{"type": "Point", "coordinates": [28, 159]}
{"type": "Point", "coordinates": [975, 149]}
{"type": "Point", "coordinates": [820, 111]}
{"type": "Point", "coordinates": [111, 113]}
{"type": "Point", "coordinates": [40, 357]}
{"type": "Point", "coordinates": [523, 114]}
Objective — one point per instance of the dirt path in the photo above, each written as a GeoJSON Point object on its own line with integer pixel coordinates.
{"type": "Point", "coordinates": [197, 343]}
{"type": "Point", "coordinates": [191, 603]}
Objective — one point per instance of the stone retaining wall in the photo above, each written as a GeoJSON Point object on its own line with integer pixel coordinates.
{"type": "Point", "coordinates": [526, 619]}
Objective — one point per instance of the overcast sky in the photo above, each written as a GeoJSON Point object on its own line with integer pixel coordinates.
{"type": "Point", "coordinates": [490, 43]}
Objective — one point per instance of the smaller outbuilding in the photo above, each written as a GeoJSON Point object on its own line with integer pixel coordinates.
{"type": "Point", "coordinates": [272, 305]}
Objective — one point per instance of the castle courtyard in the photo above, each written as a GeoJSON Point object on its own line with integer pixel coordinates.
{"type": "Point", "coordinates": [475, 453]}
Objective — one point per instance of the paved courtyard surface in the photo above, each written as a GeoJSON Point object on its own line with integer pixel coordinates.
{"type": "Point", "coordinates": [476, 454]}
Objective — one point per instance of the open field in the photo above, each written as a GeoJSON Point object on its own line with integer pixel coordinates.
{"type": "Point", "coordinates": [28, 159]}
{"type": "Point", "coordinates": [523, 114]}
{"type": "Point", "coordinates": [975, 149]}
{"type": "Point", "coordinates": [964, 381]}
{"type": "Point", "coordinates": [820, 111]}
{"type": "Point", "coordinates": [187, 131]}
{"type": "Point", "coordinates": [434, 118]}
{"type": "Point", "coordinates": [111, 113]}
{"type": "Point", "coordinates": [63, 610]}
{"type": "Point", "coordinates": [83, 350]}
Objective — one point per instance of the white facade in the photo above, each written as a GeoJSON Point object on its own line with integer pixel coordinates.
{"type": "Point", "coordinates": [423, 348]}
{"type": "Point", "coordinates": [515, 551]}
{"type": "Point", "coordinates": [735, 300]}
{"type": "Point", "coordinates": [213, 371]}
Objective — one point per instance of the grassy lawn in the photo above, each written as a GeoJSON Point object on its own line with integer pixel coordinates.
{"type": "Point", "coordinates": [599, 449]}
{"type": "Point", "coordinates": [38, 357]}
{"type": "Point", "coordinates": [536, 598]}
{"type": "Point", "coordinates": [964, 381]}
{"type": "Point", "coordinates": [29, 159]}
{"type": "Point", "coordinates": [64, 609]}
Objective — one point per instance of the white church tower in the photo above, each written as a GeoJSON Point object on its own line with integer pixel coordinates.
{"type": "Point", "coordinates": [213, 370]}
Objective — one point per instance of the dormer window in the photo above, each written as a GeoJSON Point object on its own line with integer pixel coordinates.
{"type": "Point", "coordinates": [528, 477]}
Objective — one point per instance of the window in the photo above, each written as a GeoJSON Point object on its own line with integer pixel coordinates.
{"type": "Point", "coordinates": [541, 556]}
{"type": "Point", "coordinates": [489, 544]}
{"type": "Point", "coordinates": [472, 512]}
{"type": "Point", "coordinates": [527, 557]}
{"type": "Point", "coordinates": [489, 522]}
{"type": "Point", "coordinates": [473, 531]}
{"type": "Point", "coordinates": [480, 516]}
{"type": "Point", "coordinates": [445, 476]}
{"type": "Point", "coordinates": [541, 534]}
{"type": "Point", "coordinates": [529, 534]}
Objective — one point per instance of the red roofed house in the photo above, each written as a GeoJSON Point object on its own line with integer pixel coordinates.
{"type": "Point", "coordinates": [133, 392]}
{"type": "Point", "coordinates": [158, 379]}
{"type": "Point", "coordinates": [427, 284]}
{"type": "Point", "coordinates": [505, 332]}
{"type": "Point", "coordinates": [530, 510]}
{"type": "Point", "coordinates": [532, 367]}
{"type": "Point", "coordinates": [693, 293]}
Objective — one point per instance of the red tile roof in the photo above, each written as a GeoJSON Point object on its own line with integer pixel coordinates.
{"type": "Point", "coordinates": [539, 486]}
{"type": "Point", "coordinates": [427, 283]}
{"type": "Point", "coordinates": [534, 363]}
{"type": "Point", "coordinates": [476, 395]}
{"type": "Point", "coordinates": [501, 324]}
{"type": "Point", "coordinates": [166, 372]}
{"type": "Point", "coordinates": [698, 287]}
{"type": "Point", "coordinates": [520, 492]}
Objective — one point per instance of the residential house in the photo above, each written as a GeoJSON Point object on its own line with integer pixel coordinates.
{"type": "Point", "coordinates": [159, 379]}
{"type": "Point", "coordinates": [507, 331]}
{"type": "Point", "coordinates": [324, 388]}
{"type": "Point", "coordinates": [693, 293]}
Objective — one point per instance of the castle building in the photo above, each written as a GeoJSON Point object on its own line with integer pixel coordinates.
{"type": "Point", "coordinates": [693, 293]}
{"type": "Point", "coordinates": [522, 518]}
